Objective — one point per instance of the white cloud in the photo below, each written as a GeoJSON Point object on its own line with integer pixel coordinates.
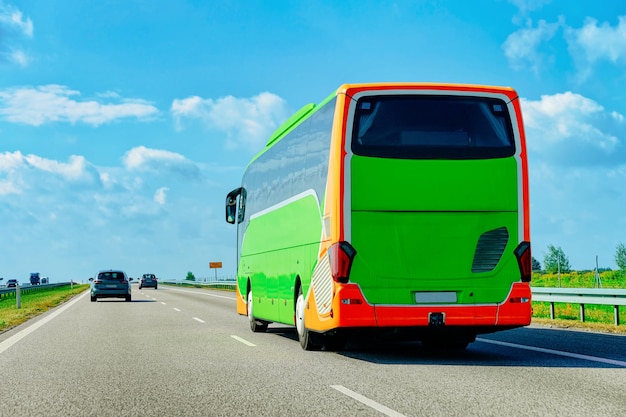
{"type": "Point", "coordinates": [13, 27]}
{"type": "Point", "coordinates": [161, 195]}
{"type": "Point", "coordinates": [526, 6]}
{"type": "Point", "coordinates": [14, 18]}
{"type": "Point", "coordinates": [522, 48]}
{"type": "Point", "coordinates": [602, 42]}
{"type": "Point", "coordinates": [19, 172]}
{"type": "Point", "coordinates": [54, 103]}
{"type": "Point", "coordinates": [47, 209]}
{"type": "Point", "coordinates": [20, 58]}
{"type": "Point", "coordinates": [568, 125]}
{"type": "Point", "coordinates": [162, 161]}
{"type": "Point", "coordinates": [141, 156]}
{"type": "Point", "coordinates": [577, 166]}
{"type": "Point", "coordinates": [593, 43]}
{"type": "Point", "coordinates": [245, 122]}
{"type": "Point", "coordinates": [75, 169]}
{"type": "Point", "coordinates": [9, 161]}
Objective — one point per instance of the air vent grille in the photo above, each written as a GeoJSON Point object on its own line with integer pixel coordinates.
{"type": "Point", "coordinates": [489, 250]}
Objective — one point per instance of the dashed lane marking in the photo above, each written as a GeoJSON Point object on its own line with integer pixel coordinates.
{"type": "Point", "coordinates": [555, 352]}
{"type": "Point", "coordinates": [244, 341]}
{"type": "Point", "coordinates": [370, 403]}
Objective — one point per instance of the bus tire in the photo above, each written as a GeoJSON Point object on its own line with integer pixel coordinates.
{"type": "Point", "coordinates": [256, 326]}
{"type": "Point", "coordinates": [305, 336]}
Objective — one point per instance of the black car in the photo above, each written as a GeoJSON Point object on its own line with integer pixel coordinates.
{"type": "Point", "coordinates": [12, 283]}
{"type": "Point", "coordinates": [148, 280]}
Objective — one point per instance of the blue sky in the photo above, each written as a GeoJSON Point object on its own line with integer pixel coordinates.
{"type": "Point", "coordinates": [123, 124]}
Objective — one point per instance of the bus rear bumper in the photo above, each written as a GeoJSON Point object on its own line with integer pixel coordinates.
{"type": "Point", "coordinates": [354, 311]}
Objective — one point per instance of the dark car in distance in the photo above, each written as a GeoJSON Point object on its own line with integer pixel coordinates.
{"type": "Point", "coordinates": [111, 283]}
{"type": "Point", "coordinates": [12, 283]}
{"type": "Point", "coordinates": [148, 280]}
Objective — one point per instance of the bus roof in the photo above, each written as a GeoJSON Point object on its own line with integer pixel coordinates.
{"type": "Point", "coordinates": [349, 89]}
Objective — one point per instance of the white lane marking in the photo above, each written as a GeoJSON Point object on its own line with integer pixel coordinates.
{"type": "Point", "coordinates": [200, 320]}
{"type": "Point", "coordinates": [23, 333]}
{"type": "Point", "coordinates": [203, 293]}
{"type": "Point", "coordinates": [370, 403]}
{"type": "Point", "coordinates": [244, 341]}
{"type": "Point", "coordinates": [177, 309]}
{"type": "Point", "coordinates": [163, 303]}
{"type": "Point", "coordinates": [556, 352]}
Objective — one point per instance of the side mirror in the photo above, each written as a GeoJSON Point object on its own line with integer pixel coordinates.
{"type": "Point", "coordinates": [231, 205]}
{"type": "Point", "coordinates": [90, 279]}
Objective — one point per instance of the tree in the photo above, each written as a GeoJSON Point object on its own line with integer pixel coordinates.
{"type": "Point", "coordinates": [536, 265]}
{"type": "Point", "coordinates": [620, 257]}
{"type": "Point", "coordinates": [553, 258]}
{"type": "Point", "coordinates": [190, 276]}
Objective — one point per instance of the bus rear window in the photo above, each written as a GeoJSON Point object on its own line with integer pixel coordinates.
{"type": "Point", "coordinates": [432, 127]}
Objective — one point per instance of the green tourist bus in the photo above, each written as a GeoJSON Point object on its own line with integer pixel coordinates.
{"type": "Point", "coordinates": [396, 210]}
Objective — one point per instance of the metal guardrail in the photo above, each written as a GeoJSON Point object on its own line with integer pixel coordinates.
{"type": "Point", "coordinates": [220, 285]}
{"type": "Point", "coordinates": [24, 289]}
{"type": "Point", "coordinates": [581, 296]}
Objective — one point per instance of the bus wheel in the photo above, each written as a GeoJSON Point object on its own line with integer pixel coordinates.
{"type": "Point", "coordinates": [306, 337]}
{"type": "Point", "coordinates": [256, 326]}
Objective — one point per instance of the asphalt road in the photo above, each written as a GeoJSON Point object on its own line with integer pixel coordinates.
{"type": "Point", "coordinates": [185, 352]}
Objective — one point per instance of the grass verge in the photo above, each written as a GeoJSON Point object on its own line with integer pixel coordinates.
{"type": "Point", "coordinates": [33, 304]}
{"type": "Point", "coordinates": [579, 325]}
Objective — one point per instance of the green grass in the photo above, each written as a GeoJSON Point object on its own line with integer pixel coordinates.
{"type": "Point", "coordinates": [609, 279]}
{"type": "Point", "coordinates": [597, 317]}
{"type": "Point", "coordinates": [34, 303]}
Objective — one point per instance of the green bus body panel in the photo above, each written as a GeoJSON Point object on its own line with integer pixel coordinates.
{"type": "Point", "coordinates": [415, 227]}
{"type": "Point", "coordinates": [280, 245]}
{"type": "Point", "coordinates": [434, 185]}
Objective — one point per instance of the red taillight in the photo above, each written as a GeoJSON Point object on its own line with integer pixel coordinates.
{"type": "Point", "coordinates": [341, 255]}
{"type": "Point", "coordinates": [524, 261]}
{"type": "Point", "coordinates": [98, 281]}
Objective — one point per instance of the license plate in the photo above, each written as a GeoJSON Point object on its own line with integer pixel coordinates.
{"type": "Point", "coordinates": [435, 297]}
{"type": "Point", "coordinates": [112, 286]}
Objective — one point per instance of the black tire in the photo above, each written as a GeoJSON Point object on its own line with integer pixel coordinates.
{"type": "Point", "coordinates": [308, 340]}
{"type": "Point", "coordinates": [93, 299]}
{"type": "Point", "coordinates": [155, 287]}
{"type": "Point", "coordinates": [128, 298]}
{"type": "Point", "coordinates": [140, 287]}
{"type": "Point", "coordinates": [257, 326]}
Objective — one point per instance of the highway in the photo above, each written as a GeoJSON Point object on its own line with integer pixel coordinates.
{"type": "Point", "coordinates": [185, 352]}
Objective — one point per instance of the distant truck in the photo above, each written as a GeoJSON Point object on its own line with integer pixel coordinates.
{"type": "Point", "coordinates": [34, 278]}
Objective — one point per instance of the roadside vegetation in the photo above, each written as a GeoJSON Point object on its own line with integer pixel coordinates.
{"type": "Point", "coordinates": [597, 317]}
{"type": "Point", "coordinates": [34, 303]}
